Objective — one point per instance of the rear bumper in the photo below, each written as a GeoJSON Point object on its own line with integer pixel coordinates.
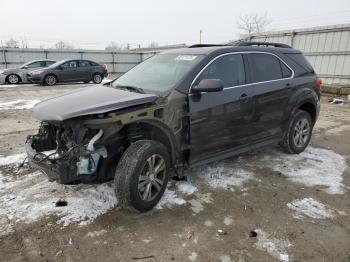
{"type": "Point", "coordinates": [2, 79]}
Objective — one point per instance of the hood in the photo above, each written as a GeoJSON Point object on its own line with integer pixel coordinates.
{"type": "Point", "coordinates": [10, 70]}
{"type": "Point", "coordinates": [93, 100]}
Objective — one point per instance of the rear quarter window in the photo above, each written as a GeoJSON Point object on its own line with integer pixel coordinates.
{"type": "Point", "coordinates": [301, 61]}
{"type": "Point", "coordinates": [93, 63]}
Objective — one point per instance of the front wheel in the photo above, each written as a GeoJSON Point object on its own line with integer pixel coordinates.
{"type": "Point", "coordinates": [13, 79]}
{"type": "Point", "coordinates": [51, 80]}
{"type": "Point", "coordinates": [142, 175]}
{"type": "Point", "coordinates": [299, 133]}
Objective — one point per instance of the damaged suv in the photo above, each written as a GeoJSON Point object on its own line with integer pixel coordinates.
{"type": "Point", "coordinates": [176, 110]}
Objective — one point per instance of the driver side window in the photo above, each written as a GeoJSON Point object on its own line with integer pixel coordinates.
{"type": "Point", "coordinates": [69, 65]}
{"type": "Point", "coordinates": [228, 68]}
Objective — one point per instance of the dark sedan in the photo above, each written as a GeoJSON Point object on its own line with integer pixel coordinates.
{"type": "Point", "coordinates": [69, 71]}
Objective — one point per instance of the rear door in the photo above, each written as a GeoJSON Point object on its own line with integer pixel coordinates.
{"type": "Point", "coordinates": [84, 70]}
{"type": "Point", "coordinates": [220, 121]}
{"type": "Point", "coordinates": [271, 79]}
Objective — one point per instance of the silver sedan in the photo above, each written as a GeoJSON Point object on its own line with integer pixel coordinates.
{"type": "Point", "coordinates": [19, 74]}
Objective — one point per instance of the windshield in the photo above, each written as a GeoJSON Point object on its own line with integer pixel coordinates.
{"type": "Point", "coordinates": [56, 64]}
{"type": "Point", "coordinates": [159, 73]}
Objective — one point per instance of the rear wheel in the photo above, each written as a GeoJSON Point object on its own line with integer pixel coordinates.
{"type": "Point", "coordinates": [97, 78]}
{"type": "Point", "coordinates": [299, 133]}
{"type": "Point", "coordinates": [13, 79]}
{"type": "Point", "coordinates": [142, 175]}
{"type": "Point", "coordinates": [51, 80]}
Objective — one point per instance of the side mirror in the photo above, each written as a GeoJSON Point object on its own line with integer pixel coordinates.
{"type": "Point", "coordinates": [25, 67]}
{"type": "Point", "coordinates": [208, 85]}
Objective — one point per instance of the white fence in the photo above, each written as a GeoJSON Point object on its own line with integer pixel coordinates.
{"type": "Point", "coordinates": [117, 62]}
{"type": "Point", "coordinates": [326, 48]}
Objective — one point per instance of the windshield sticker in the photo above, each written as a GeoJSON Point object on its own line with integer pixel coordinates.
{"type": "Point", "coordinates": [186, 57]}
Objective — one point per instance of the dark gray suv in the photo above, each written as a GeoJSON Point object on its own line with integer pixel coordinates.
{"type": "Point", "coordinates": [69, 71]}
{"type": "Point", "coordinates": [178, 109]}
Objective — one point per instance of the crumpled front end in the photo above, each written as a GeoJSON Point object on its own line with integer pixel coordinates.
{"type": "Point", "coordinates": [67, 153]}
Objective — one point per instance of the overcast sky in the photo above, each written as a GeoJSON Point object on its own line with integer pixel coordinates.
{"type": "Point", "coordinates": [94, 24]}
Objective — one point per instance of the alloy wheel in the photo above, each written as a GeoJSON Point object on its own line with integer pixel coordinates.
{"type": "Point", "coordinates": [51, 80]}
{"type": "Point", "coordinates": [301, 132]}
{"type": "Point", "coordinates": [13, 79]}
{"type": "Point", "coordinates": [152, 177]}
{"type": "Point", "coordinates": [97, 79]}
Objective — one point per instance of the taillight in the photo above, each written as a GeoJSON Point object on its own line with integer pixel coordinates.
{"type": "Point", "coordinates": [319, 84]}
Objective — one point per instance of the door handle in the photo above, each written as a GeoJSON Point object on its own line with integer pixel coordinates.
{"type": "Point", "coordinates": [244, 98]}
{"type": "Point", "coordinates": [288, 85]}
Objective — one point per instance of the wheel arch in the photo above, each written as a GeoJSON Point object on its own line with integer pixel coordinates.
{"type": "Point", "coordinates": [310, 108]}
{"type": "Point", "coordinates": [19, 77]}
{"type": "Point", "coordinates": [153, 130]}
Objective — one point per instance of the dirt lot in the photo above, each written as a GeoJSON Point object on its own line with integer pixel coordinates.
{"type": "Point", "coordinates": [263, 206]}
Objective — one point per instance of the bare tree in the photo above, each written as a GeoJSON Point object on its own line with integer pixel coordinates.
{"type": "Point", "coordinates": [63, 45]}
{"type": "Point", "coordinates": [113, 46]}
{"type": "Point", "coordinates": [253, 24]}
{"type": "Point", "coordinates": [12, 43]}
{"type": "Point", "coordinates": [153, 45]}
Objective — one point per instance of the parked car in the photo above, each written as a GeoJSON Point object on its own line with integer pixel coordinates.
{"type": "Point", "coordinates": [72, 70]}
{"type": "Point", "coordinates": [179, 109]}
{"type": "Point", "coordinates": [19, 75]}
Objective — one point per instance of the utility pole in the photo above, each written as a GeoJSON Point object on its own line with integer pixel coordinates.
{"type": "Point", "coordinates": [200, 36]}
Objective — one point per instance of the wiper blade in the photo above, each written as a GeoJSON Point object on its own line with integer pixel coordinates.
{"type": "Point", "coordinates": [131, 88]}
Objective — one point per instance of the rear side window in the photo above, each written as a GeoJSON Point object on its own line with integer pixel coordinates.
{"type": "Point", "coordinates": [83, 63]}
{"type": "Point", "coordinates": [264, 67]}
{"type": "Point", "coordinates": [228, 68]}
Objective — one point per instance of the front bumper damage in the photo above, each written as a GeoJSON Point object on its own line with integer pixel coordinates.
{"type": "Point", "coordinates": [66, 160]}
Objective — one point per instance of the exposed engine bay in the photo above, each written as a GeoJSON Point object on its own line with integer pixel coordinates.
{"type": "Point", "coordinates": [68, 154]}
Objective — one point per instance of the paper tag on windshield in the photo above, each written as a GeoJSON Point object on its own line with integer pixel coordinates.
{"type": "Point", "coordinates": [186, 57]}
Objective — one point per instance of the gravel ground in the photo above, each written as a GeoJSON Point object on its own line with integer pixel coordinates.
{"type": "Point", "coordinates": [262, 206]}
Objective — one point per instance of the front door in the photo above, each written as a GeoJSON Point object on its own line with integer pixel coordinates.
{"type": "Point", "coordinates": [220, 121]}
{"type": "Point", "coordinates": [69, 72]}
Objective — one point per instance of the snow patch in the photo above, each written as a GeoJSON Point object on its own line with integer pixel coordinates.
{"type": "Point", "coordinates": [186, 187]}
{"type": "Point", "coordinates": [31, 197]}
{"type": "Point", "coordinates": [18, 104]}
{"type": "Point", "coordinates": [309, 207]}
{"type": "Point", "coordinates": [12, 159]}
{"type": "Point", "coordinates": [314, 167]}
{"type": "Point", "coordinates": [169, 199]}
{"type": "Point", "coordinates": [223, 174]}
{"type": "Point", "coordinates": [277, 248]}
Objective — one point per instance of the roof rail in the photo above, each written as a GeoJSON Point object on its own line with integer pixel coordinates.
{"type": "Point", "coordinates": [205, 45]}
{"type": "Point", "coordinates": [263, 44]}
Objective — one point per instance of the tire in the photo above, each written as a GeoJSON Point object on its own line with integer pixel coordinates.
{"type": "Point", "coordinates": [298, 134]}
{"type": "Point", "coordinates": [97, 78]}
{"type": "Point", "coordinates": [138, 187]}
{"type": "Point", "coordinates": [13, 79]}
{"type": "Point", "coordinates": [50, 80]}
